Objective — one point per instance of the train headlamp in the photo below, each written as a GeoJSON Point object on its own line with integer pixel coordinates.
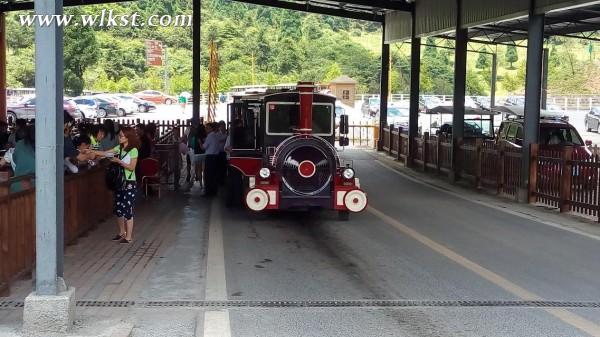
{"type": "Point", "coordinates": [264, 173]}
{"type": "Point", "coordinates": [348, 173]}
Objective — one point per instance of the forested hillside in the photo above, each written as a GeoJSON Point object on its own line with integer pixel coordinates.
{"type": "Point", "coordinates": [256, 45]}
{"type": "Point", "coordinates": [264, 45]}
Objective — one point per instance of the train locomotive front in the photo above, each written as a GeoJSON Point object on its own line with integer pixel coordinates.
{"type": "Point", "coordinates": [284, 154]}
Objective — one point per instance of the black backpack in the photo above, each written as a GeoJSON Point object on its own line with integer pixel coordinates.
{"type": "Point", "coordinates": [115, 175]}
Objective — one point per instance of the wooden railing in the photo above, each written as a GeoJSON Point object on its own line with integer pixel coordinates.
{"type": "Point", "coordinates": [395, 142]}
{"type": "Point", "coordinates": [483, 162]}
{"type": "Point", "coordinates": [566, 178]}
{"type": "Point", "coordinates": [87, 203]}
{"type": "Point", "coordinates": [360, 135]}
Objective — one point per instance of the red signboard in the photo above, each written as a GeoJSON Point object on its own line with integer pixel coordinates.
{"type": "Point", "coordinates": [154, 53]}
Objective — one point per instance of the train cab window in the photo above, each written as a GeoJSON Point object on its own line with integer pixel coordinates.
{"type": "Point", "coordinates": [284, 118]}
{"type": "Point", "coordinates": [322, 119]}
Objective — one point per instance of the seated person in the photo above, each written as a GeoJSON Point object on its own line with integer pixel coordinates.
{"type": "Point", "coordinates": [4, 134]}
{"type": "Point", "coordinates": [85, 157]}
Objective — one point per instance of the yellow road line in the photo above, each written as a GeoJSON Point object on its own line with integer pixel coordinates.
{"type": "Point", "coordinates": [566, 316]}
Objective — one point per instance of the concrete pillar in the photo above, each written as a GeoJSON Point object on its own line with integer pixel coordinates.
{"type": "Point", "coordinates": [460, 80]}
{"type": "Point", "coordinates": [544, 102]}
{"type": "Point", "coordinates": [385, 86]}
{"type": "Point", "coordinates": [533, 93]}
{"type": "Point", "coordinates": [415, 77]}
{"type": "Point", "coordinates": [2, 68]}
{"type": "Point", "coordinates": [50, 308]}
{"type": "Point", "coordinates": [196, 80]}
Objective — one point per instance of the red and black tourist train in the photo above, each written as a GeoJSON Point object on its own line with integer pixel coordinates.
{"type": "Point", "coordinates": [284, 156]}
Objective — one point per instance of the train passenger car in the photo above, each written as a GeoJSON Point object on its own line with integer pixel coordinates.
{"type": "Point", "coordinates": [283, 154]}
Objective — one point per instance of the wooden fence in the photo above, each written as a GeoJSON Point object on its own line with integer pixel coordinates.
{"type": "Point", "coordinates": [566, 178]}
{"type": "Point", "coordinates": [87, 203]}
{"type": "Point", "coordinates": [484, 163]}
{"type": "Point", "coordinates": [361, 135]}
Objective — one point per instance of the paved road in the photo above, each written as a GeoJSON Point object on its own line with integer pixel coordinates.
{"type": "Point", "coordinates": [416, 243]}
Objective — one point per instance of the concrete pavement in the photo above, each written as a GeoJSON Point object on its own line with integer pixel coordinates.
{"type": "Point", "coordinates": [478, 270]}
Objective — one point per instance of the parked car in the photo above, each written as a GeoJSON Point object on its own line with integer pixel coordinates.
{"type": "Point", "coordinates": [87, 105]}
{"type": "Point", "coordinates": [370, 107]}
{"type": "Point", "coordinates": [398, 116]}
{"type": "Point", "coordinates": [471, 130]}
{"type": "Point", "coordinates": [427, 103]}
{"type": "Point", "coordinates": [105, 107]}
{"type": "Point", "coordinates": [556, 134]}
{"type": "Point", "coordinates": [134, 104]}
{"type": "Point", "coordinates": [553, 132]}
{"type": "Point", "coordinates": [121, 106]}
{"type": "Point", "coordinates": [592, 120]}
{"type": "Point", "coordinates": [156, 97]}
{"type": "Point", "coordinates": [25, 109]}
{"type": "Point", "coordinates": [470, 102]}
{"type": "Point", "coordinates": [514, 101]}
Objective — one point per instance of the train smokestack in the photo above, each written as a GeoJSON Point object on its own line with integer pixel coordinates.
{"type": "Point", "coordinates": [306, 91]}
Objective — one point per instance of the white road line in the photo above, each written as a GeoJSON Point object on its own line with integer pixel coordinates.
{"type": "Point", "coordinates": [483, 203]}
{"type": "Point", "coordinates": [216, 323]}
{"type": "Point", "coordinates": [216, 285]}
{"type": "Point", "coordinates": [564, 315]}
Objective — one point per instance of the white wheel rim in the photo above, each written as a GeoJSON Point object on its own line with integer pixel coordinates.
{"type": "Point", "coordinates": [257, 200]}
{"type": "Point", "coordinates": [355, 201]}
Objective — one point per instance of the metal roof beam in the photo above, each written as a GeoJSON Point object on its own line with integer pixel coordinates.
{"type": "Point", "coordinates": [20, 6]}
{"type": "Point", "coordinates": [309, 8]}
{"type": "Point", "coordinates": [384, 4]}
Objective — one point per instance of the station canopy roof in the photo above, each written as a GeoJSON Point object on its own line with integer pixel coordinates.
{"type": "Point", "coordinates": [578, 22]}
{"type": "Point", "coordinates": [369, 10]}
{"type": "Point", "coordinates": [495, 21]}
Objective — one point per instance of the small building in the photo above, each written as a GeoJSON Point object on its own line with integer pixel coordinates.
{"type": "Point", "coordinates": [344, 88]}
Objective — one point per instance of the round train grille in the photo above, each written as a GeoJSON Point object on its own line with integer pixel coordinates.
{"type": "Point", "coordinates": [306, 170]}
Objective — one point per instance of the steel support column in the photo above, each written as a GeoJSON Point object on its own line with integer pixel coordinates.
{"type": "Point", "coordinates": [544, 102]}
{"type": "Point", "coordinates": [493, 86]}
{"type": "Point", "coordinates": [196, 79]}
{"type": "Point", "coordinates": [385, 87]}
{"type": "Point", "coordinates": [49, 167]}
{"type": "Point", "coordinates": [415, 77]}
{"type": "Point", "coordinates": [533, 95]}
{"type": "Point", "coordinates": [460, 80]}
{"type": "Point", "coordinates": [2, 67]}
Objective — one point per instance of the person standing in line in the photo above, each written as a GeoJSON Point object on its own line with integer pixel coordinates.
{"type": "Point", "coordinates": [24, 157]}
{"type": "Point", "coordinates": [111, 139]}
{"type": "Point", "coordinates": [126, 155]}
{"type": "Point", "coordinates": [222, 170]}
{"type": "Point", "coordinates": [96, 134]}
{"type": "Point", "coordinates": [211, 161]}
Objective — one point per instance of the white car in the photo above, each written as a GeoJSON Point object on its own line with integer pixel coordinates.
{"type": "Point", "coordinates": [398, 116]}
{"type": "Point", "coordinates": [470, 102]}
{"type": "Point", "coordinates": [121, 105]}
{"type": "Point", "coordinates": [87, 105]}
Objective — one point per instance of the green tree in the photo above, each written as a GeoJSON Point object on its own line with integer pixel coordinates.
{"type": "Point", "coordinates": [333, 71]}
{"type": "Point", "coordinates": [511, 56]}
{"type": "Point", "coordinates": [80, 52]}
{"type": "Point", "coordinates": [483, 61]}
